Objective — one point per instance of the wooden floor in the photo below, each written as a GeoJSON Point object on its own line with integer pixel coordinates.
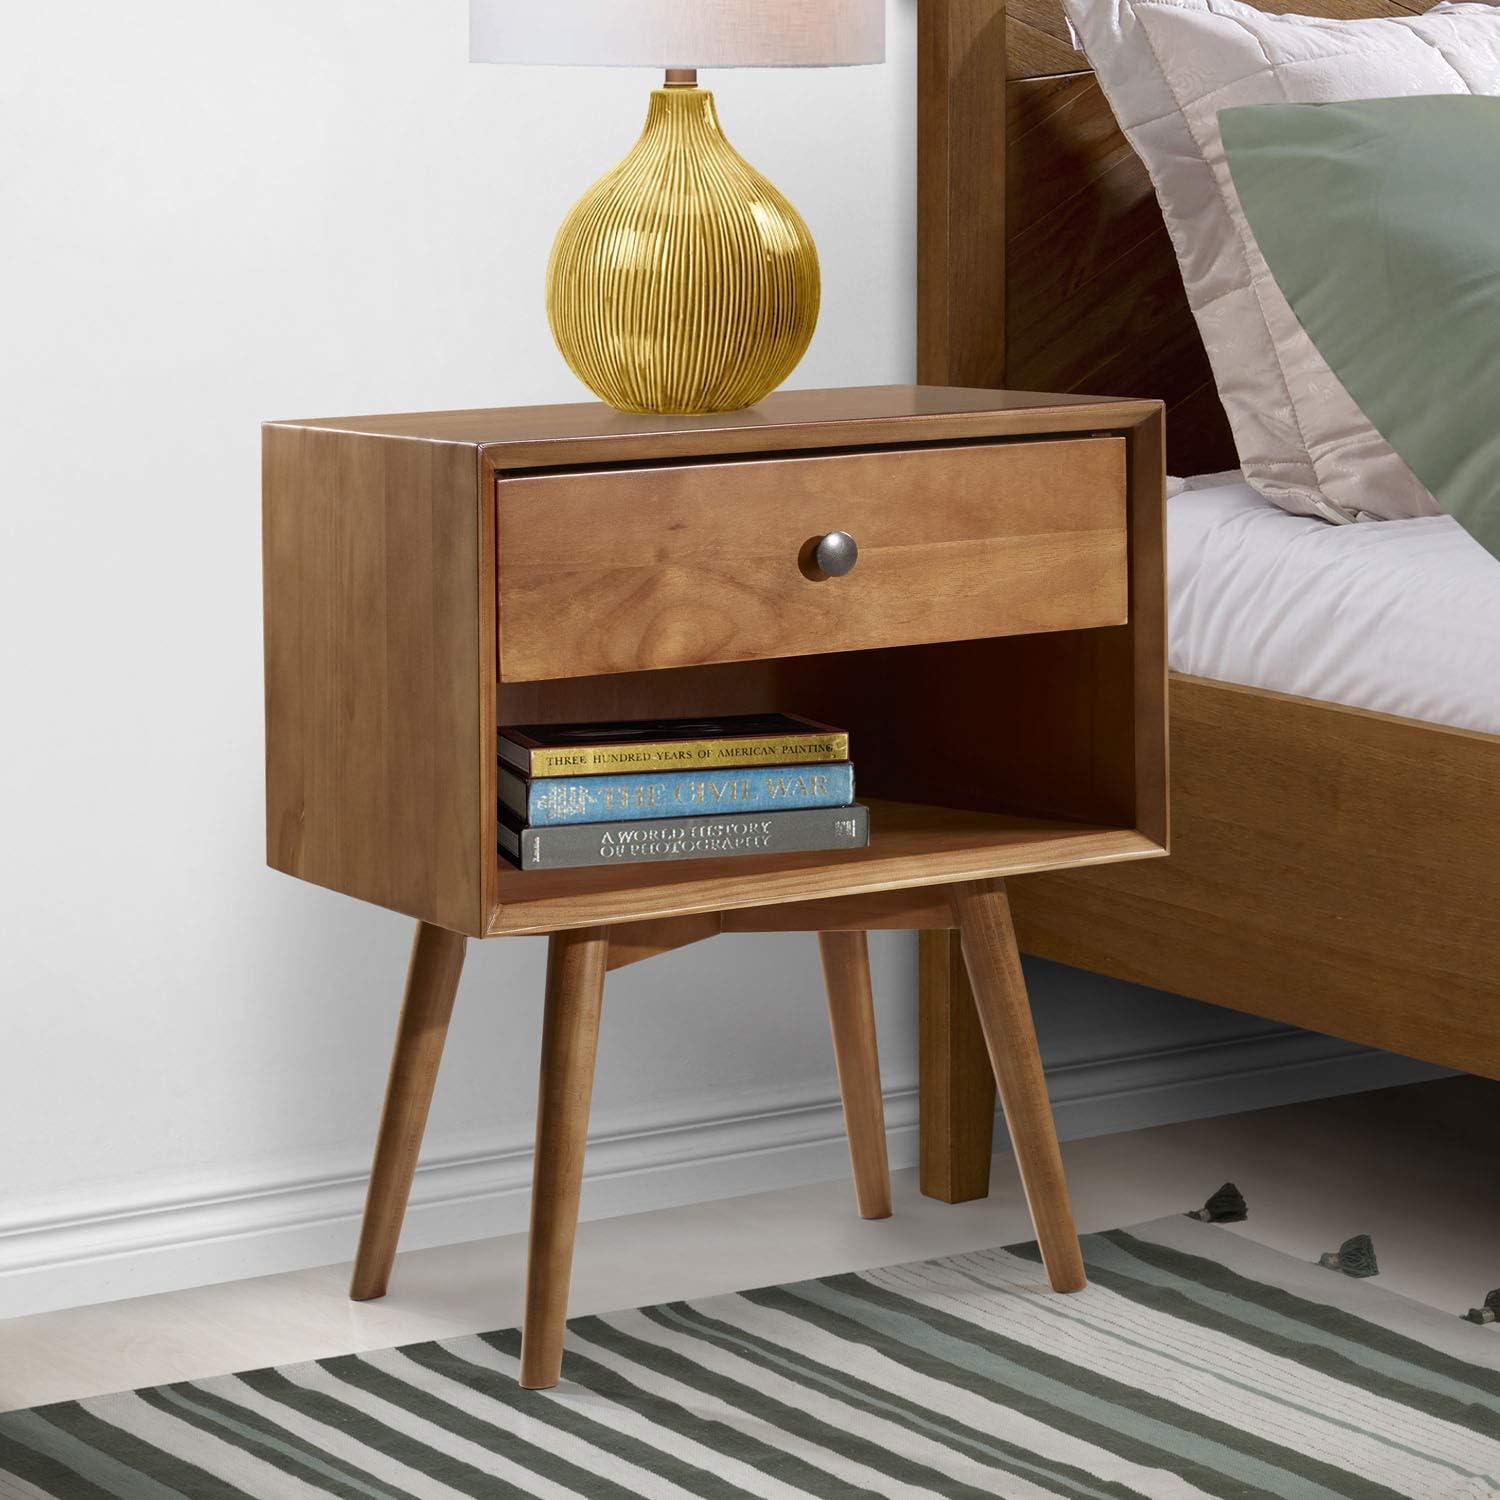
{"type": "Point", "coordinates": [1414, 1167]}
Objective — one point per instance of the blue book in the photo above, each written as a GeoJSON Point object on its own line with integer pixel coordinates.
{"type": "Point", "coordinates": [550, 801]}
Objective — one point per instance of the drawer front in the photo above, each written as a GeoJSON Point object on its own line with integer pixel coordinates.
{"type": "Point", "coordinates": [623, 570]}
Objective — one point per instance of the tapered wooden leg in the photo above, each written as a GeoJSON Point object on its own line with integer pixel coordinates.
{"type": "Point", "coordinates": [437, 960]}
{"type": "Point", "coordinates": [957, 1093]}
{"type": "Point", "coordinates": [851, 1014]}
{"type": "Point", "coordinates": [576, 962]}
{"type": "Point", "coordinates": [989, 943]}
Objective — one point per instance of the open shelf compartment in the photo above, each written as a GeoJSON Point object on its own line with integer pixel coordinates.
{"type": "Point", "coordinates": [977, 759]}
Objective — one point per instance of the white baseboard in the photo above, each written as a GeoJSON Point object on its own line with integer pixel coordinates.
{"type": "Point", "coordinates": [165, 1246]}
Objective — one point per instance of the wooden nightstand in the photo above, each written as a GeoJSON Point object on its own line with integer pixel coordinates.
{"type": "Point", "coordinates": [997, 655]}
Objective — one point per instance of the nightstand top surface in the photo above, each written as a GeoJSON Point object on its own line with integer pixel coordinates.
{"type": "Point", "coordinates": [1027, 411]}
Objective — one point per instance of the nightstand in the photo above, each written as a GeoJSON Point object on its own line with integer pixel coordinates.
{"type": "Point", "coordinates": [996, 654]}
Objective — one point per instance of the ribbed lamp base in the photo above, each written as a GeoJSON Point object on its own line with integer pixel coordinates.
{"type": "Point", "coordinates": [683, 281]}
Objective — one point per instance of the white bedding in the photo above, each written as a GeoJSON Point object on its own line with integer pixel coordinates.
{"type": "Point", "coordinates": [1398, 616]}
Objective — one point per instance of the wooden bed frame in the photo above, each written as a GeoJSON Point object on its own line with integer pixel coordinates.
{"type": "Point", "coordinates": [1330, 868]}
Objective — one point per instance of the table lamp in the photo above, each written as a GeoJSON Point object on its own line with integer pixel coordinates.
{"type": "Point", "coordinates": [683, 280]}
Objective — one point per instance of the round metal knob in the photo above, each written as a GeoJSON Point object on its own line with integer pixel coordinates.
{"type": "Point", "coordinates": [836, 554]}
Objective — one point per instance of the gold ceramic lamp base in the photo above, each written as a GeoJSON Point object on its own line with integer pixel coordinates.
{"type": "Point", "coordinates": [683, 281]}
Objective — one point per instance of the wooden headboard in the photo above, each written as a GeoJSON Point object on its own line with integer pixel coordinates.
{"type": "Point", "coordinates": [1042, 260]}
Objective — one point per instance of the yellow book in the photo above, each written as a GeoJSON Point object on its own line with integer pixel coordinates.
{"type": "Point", "coordinates": [670, 745]}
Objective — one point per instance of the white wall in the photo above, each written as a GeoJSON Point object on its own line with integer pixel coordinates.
{"type": "Point", "coordinates": [217, 214]}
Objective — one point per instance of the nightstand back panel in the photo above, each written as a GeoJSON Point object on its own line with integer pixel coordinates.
{"type": "Point", "coordinates": [1023, 725]}
{"type": "Point", "coordinates": [619, 570]}
{"type": "Point", "coordinates": [379, 671]}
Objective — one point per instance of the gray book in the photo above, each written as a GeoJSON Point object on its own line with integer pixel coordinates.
{"type": "Point", "coordinates": [650, 839]}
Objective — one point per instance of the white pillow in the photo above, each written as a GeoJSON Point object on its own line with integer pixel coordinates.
{"type": "Point", "coordinates": [1167, 68]}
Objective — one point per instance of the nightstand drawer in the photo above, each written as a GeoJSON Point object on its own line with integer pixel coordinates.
{"type": "Point", "coordinates": [618, 570]}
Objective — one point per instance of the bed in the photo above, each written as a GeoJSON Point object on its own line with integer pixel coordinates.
{"type": "Point", "coordinates": [1401, 618]}
{"type": "Point", "coordinates": [1335, 802]}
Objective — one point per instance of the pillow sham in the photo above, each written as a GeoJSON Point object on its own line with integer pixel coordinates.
{"type": "Point", "coordinates": [1167, 67]}
{"type": "Point", "coordinates": [1407, 314]}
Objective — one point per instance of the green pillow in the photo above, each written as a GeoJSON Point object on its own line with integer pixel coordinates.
{"type": "Point", "coordinates": [1380, 221]}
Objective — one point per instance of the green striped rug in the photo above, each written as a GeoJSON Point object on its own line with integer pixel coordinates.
{"type": "Point", "coordinates": [1196, 1364]}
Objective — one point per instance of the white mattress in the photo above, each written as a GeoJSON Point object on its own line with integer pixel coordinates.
{"type": "Point", "coordinates": [1398, 616]}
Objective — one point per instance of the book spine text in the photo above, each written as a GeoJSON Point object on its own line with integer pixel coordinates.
{"type": "Point", "coordinates": [687, 755]}
{"type": "Point", "coordinates": [687, 838]}
{"type": "Point", "coordinates": [556, 800]}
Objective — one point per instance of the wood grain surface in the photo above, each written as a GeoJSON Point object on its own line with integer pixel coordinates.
{"type": "Point", "coordinates": [961, 192]}
{"type": "Point", "coordinates": [1094, 299]}
{"type": "Point", "coordinates": [954, 543]}
{"type": "Point", "coordinates": [1037, 42]}
{"type": "Point", "coordinates": [912, 845]}
{"type": "Point", "coordinates": [633, 942]}
{"type": "Point", "coordinates": [585, 432]}
{"type": "Point", "coordinates": [851, 1018]}
{"type": "Point", "coordinates": [576, 963]}
{"type": "Point", "coordinates": [437, 960]}
{"type": "Point", "coordinates": [908, 910]}
{"type": "Point", "coordinates": [1330, 868]}
{"type": "Point", "coordinates": [379, 607]}
{"type": "Point", "coordinates": [957, 1084]}
{"type": "Point", "coordinates": [1004, 1010]}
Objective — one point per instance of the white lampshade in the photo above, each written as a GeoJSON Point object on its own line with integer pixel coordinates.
{"type": "Point", "coordinates": [678, 33]}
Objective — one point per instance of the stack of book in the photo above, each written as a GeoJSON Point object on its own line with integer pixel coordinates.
{"type": "Point", "coordinates": [626, 793]}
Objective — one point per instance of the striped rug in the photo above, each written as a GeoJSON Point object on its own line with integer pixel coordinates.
{"type": "Point", "coordinates": [1196, 1364]}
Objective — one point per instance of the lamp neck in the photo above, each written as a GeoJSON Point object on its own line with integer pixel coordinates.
{"type": "Point", "coordinates": [680, 114]}
{"type": "Point", "coordinates": [682, 78]}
